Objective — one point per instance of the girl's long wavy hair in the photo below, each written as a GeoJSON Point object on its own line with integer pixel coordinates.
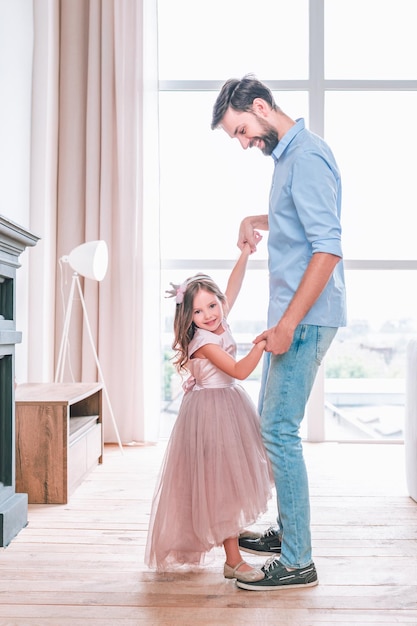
{"type": "Point", "coordinates": [184, 327]}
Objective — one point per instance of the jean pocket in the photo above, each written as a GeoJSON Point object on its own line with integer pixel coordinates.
{"type": "Point", "coordinates": [325, 336]}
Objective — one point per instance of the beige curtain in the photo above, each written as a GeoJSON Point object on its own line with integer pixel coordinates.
{"type": "Point", "coordinates": [95, 91]}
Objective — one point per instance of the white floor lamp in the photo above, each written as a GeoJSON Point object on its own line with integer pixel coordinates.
{"type": "Point", "coordinates": [89, 260]}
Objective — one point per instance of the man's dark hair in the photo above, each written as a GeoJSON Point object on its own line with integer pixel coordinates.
{"type": "Point", "coordinates": [239, 95]}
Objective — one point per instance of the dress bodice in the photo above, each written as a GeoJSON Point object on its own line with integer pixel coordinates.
{"type": "Point", "coordinates": [205, 373]}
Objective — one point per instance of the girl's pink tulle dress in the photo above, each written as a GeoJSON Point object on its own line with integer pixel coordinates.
{"type": "Point", "coordinates": [215, 478]}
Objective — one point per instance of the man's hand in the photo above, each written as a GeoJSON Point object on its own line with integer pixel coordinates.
{"type": "Point", "coordinates": [248, 233]}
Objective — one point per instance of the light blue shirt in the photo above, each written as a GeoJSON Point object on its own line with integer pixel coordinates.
{"type": "Point", "coordinates": [304, 218]}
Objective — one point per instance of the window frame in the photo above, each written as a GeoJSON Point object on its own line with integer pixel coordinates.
{"type": "Point", "coordinates": [316, 86]}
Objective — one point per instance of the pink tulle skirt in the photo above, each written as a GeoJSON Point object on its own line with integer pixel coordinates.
{"type": "Point", "coordinates": [215, 478]}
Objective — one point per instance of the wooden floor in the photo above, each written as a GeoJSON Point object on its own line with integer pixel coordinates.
{"type": "Point", "coordinates": [82, 563]}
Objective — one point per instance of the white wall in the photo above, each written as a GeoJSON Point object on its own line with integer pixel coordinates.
{"type": "Point", "coordinates": [16, 44]}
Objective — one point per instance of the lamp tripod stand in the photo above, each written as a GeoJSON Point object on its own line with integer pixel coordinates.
{"type": "Point", "coordinates": [59, 374]}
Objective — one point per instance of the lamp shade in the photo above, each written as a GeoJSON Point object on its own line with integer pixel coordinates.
{"type": "Point", "coordinates": [90, 259]}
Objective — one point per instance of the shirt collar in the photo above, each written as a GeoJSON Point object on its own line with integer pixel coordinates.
{"type": "Point", "coordinates": [287, 138]}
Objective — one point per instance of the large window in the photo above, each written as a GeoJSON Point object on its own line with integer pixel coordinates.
{"type": "Point", "coordinates": [356, 85]}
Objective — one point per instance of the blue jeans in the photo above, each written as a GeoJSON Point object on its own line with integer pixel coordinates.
{"type": "Point", "coordinates": [287, 380]}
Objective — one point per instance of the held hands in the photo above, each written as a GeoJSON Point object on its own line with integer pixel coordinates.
{"type": "Point", "coordinates": [248, 236]}
{"type": "Point", "coordinates": [261, 343]}
{"type": "Point", "coordinates": [277, 339]}
{"type": "Point", "coordinates": [246, 246]}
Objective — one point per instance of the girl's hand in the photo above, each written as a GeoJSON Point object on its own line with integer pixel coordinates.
{"type": "Point", "coordinates": [261, 343]}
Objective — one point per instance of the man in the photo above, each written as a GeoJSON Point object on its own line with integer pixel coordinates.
{"type": "Point", "coordinates": [306, 306]}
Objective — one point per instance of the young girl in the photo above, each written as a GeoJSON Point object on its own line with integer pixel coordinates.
{"type": "Point", "coordinates": [215, 477]}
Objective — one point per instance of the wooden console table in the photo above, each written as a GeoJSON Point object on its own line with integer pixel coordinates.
{"type": "Point", "coordinates": [59, 438]}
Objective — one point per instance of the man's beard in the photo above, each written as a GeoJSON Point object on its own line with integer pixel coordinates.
{"type": "Point", "coordinates": [270, 138]}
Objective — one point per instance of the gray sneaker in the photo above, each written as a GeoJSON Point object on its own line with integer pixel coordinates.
{"type": "Point", "coordinates": [278, 577]}
{"type": "Point", "coordinates": [267, 544]}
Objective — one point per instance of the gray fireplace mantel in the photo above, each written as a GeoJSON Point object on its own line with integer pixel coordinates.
{"type": "Point", "coordinates": [13, 506]}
